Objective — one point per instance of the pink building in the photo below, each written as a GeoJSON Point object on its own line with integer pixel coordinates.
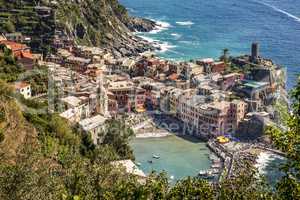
{"type": "Point", "coordinates": [211, 118]}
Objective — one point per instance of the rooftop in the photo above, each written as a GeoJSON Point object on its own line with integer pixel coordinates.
{"type": "Point", "coordinates": [254, 84]}
{"type": "Point", "coordinates": [196, 100]}
{"type": "Point", "coordinates": [68, 113]}
{"type": "Point", "coordinates": [93, 122]}
{"type": "Point", "coordinates": [207, 60]}
{"type": "Point", "coordinates": [14, 46]}
{"type": "Point", "coordinates": [72, 100]}
{"type": "Point", "coordinates": [79, 59]}
{"type": "Point", "coordinates": [20, 85]}
{"type": "Point", "coordinates": [120, 85]}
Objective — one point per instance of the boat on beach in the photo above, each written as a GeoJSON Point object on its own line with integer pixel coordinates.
{"type": "Point", "coordinates": [155, 156]}
{"type": "Point", "coordinates": [216, 166]}
{"type": "Point", "coordinates": [208, 174]}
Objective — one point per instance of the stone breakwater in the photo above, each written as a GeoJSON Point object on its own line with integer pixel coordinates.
{"type": "Point", "coordinates": [236, 160]}
{"type": "Point", "coordinates": [222, 154]}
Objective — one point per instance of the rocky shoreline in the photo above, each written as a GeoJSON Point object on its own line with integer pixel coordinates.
{"type": "Point", "coordinates": [137, 24]}
{"type": "Point", "coordinates": [132, 45]}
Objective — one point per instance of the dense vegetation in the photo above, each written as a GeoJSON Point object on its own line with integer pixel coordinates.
{"type": "Point", "coordinates": [21, 16]}
{"type": "Point", "coordinates": [11, 71]}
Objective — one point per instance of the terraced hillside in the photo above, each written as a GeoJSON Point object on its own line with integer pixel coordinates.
{"type": "Point", "coordinates": [91, 22]}
{"type": "Point", "coordinates": [22, 16]}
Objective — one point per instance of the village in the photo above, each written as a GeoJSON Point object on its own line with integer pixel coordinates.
{"type": "Point", "coordinates": [217, 100]}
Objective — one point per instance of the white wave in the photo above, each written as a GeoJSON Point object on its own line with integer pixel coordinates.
{"type": "Point", "coordinates": [161, 26]}
{"type": "Point", "coordinates": [264, 159]}
{"type": "Point", "coordinates": [176, 35]}
{"type": "Point", "coordinates": [166, 47]}
{"type": "Point", "coordinates": [131, 10]}
{"type": "Point", "coordinates": [186, 42]}
{"type": "Point", "coordinates": [148, 39]}
{"type": "Point", "coordinates": [156, 30]}
{"type": "Point", "coordinates": [162, 46]}
{"type": "Point", "coordinates": [185, 23]}
{"type": "Point", "coordinates": [280, 11]}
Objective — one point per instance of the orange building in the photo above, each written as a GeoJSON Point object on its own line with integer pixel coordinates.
{"type": "Point", "coordinates": [21, 52]}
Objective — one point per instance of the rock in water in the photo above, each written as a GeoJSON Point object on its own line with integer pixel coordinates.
{"type": "Point", "coordinates": [140, 24]}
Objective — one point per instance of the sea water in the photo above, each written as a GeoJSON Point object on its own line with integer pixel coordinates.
{"type": "Point", "coordinates": [200, 28]}
{"type": "Point", "coordinates": [178, 157]}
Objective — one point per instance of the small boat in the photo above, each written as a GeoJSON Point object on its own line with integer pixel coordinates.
{"type": "Point", "coordinates": [209, 174]}
{"type": "Point", "coordinates": [155, 156]}
{"type": "Point", "coordinates": [215, 166]}
{"type": "Point", "coordinates": [138, 164]}
{"type": "Point", "coordinates": [150, 161]}
{"type": "Point", "coordinates": [216, 161]}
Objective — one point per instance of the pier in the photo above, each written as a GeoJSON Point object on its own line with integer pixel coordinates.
{"type": "Point", "coordinates": [233, 159]}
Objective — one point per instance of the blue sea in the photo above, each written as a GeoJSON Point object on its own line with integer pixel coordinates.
{"type": "Point", "coordinates": [198, 29]}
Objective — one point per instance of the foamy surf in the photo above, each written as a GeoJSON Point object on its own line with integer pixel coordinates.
{"type": "Point", "coordinates": [185, 23]}
{"type": "Point", "coordinates": [264, 159]}
{"type": "Point", "coordinates": [148, 39]}
{"type": "Point", "coordinates": [162, 46]}
{"type": "Point", "coordinates": [176, 35]}
{"type": "Point", "coordinates": [165, 46]}
{"type": "Point", "coordinates": [161, 26]}
{"type": "Point", "coordinates": [280, 11]}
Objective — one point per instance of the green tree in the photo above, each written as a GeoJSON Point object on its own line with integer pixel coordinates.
{"type": "Point", "coordinates": [289, 142]}
{"type": "Point", "coordinates": [9, 27]}
{"type": "Point", "coordinates": [117, 134]}
{"type": "Point", "coordinates": [191, 188]}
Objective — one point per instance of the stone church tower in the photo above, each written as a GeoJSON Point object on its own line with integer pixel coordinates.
{"type": "Point", "coordinates": [102, 98]}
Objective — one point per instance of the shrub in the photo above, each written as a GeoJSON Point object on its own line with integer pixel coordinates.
{"type": "Point", "coordinates": [9, 27]}
{"type": "Point", "coordinates": [1, 135]}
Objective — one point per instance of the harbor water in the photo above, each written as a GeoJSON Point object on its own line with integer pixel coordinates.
{"type": "Point", "coordinates": [179, 157]}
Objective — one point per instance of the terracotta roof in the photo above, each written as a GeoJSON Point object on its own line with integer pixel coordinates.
{"type": "Point", "coordinates": [173, 76]}
{"type": "Point", "coordinates": [20, 85]}
{"type": "Point", "coordinates": [27, 55]}
{"type": "Point", "coordinates": [13, 45]}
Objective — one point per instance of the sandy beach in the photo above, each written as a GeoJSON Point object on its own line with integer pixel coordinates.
{"type": "Point", "coordinates": [153, 134]}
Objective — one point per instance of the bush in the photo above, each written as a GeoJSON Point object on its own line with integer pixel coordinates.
{"type": "Point", "coordinates": [2, 115]}
{"type": "Point", "coordinates": [1, 135]}
{"type": "Point", "coordinates": [9, 27]}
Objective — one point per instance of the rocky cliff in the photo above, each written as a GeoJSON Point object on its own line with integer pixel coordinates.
{"type": "Point", "coordinates": [103, 23]}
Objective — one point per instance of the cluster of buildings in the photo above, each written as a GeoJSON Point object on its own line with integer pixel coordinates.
{"type": "Point", "coordinates": [16, 43]}
{"type": "Point", "coordinates": [88, 85]}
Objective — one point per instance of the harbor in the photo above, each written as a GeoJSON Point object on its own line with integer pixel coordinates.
{"type": "Point", "coordinates": [179, 157]}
